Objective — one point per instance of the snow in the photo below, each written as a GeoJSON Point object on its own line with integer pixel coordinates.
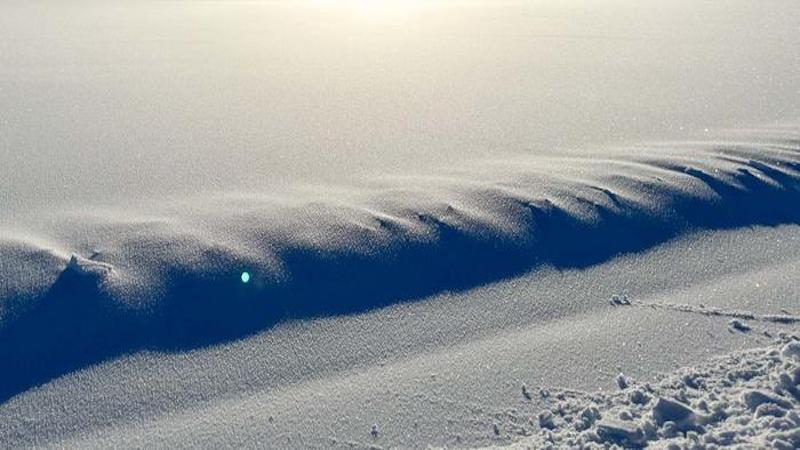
{"type": "Point", "coordinates": [755, 398]}
{"type": "Point", "coordinates": [791, 351]}
{"type": "Point", "coordinates": [738, 325]}
{"type": "Point", "coordinates": [736, 402]}
{"type": "Point", "coordinates": [442, 371]}
{"type": "Point", "coordinates": [678, 414]}
{"type": "Point", "coordinates": [158, 283]}
{"type": "Point", "coordinates": [87, 267]}
{"type": "Point", "coordinates": [620, 432]}
{"type": "Point", "coordinates": [298, 224]}
{"type": "Point", "coordinates": [622, 381]}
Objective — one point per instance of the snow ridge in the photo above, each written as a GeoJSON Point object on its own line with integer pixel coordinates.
{"type": "Point", "coordinates": [87, 286]}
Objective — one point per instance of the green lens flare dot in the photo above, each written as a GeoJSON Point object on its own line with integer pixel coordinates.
{"type": "Point", "coordinates": [245, 277]}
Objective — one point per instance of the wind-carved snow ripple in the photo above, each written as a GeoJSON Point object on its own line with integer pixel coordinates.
{"type": "Point", "coordinates": [106, 282]}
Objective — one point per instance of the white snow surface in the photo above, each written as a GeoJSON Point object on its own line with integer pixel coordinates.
{"type": "Point", "coordinates": [120, 103]}
{"type": "Point", "coordinates": [443, 371]}
{"type": "Point", "coordinates": [464, 223]}
{"type": "Point", "coordinates": [747, 399]}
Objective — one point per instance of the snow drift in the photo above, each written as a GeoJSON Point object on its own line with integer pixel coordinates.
{"type": "Point", "coordinates": [82, 286]}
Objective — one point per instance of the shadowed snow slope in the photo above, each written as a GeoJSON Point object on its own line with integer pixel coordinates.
{"type": "Point", "coordinates": [455, 370]}
{"type": "Point", "coordinates": [84, 286]}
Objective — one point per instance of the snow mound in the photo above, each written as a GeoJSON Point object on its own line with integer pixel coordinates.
{"type": "Point", "coordinates": [748, 399]}
{"type": "Point", "coordinates": [169, 275]}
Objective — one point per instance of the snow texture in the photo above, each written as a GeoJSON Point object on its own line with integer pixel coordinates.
{"type": "Point", "coordinates": [170, 278]}
{"type": "Point", "coordinates": [747, 399]}
{"type": "Point", "coordinates": [288, 222]}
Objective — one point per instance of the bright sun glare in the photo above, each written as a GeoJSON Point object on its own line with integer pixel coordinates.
{"type": "Point", "coordinates": [371, 8]}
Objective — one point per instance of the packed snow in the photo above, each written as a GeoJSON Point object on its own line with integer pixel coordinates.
{"type": "Point", "coordinates": [747, 399]}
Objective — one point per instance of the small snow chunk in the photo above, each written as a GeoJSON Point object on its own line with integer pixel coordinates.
{"type": "Point", "coordinates": [620, 300]}
{"type": "Point", "coordinates": [780, 444]}
{"type": "Point", "coordinates": [668, 410]}
{"type": "Point", "coordinates": [622, 382]}
{"type": "Point", "coordinates": [738, 325]}
{"type": "Point", "coordinates": [669, 430]}
{"type": "Point", "coordinates": [769, 409]}
{"type": "Point", "coordinates": [547, 420]}
{"type": "Point", "coordinates": [791, 351]}
{"type": "Point", "coordinates": [753, 398]}
{"type": "Point", "coordinates": [638, 397]}
{"type": "Point", "coordinates": [786, 383]}
{"type": "Point", "coordinates": [692, 380]}
{"type": "Point", "coordinates": [620, 432]}
{"type": "Point", "coordinates": [87, 267]}
{"type": "Point", "coordinates": [526, 393]}
{"type": "Point", "coordinates": [588, 417]}
{"type": "Point", "coordinates": [544, 393]}
{"type": "Point", "coordinates": [590, 414]}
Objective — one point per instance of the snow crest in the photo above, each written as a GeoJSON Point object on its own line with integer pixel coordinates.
{"type": "Point", "coordinates": [89, 285]}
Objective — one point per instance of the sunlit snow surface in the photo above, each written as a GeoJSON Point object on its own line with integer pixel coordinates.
{"type": "Point", "coordinates": [97, 284]}
{"type": "Point", "coordinates": [179, 176]}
